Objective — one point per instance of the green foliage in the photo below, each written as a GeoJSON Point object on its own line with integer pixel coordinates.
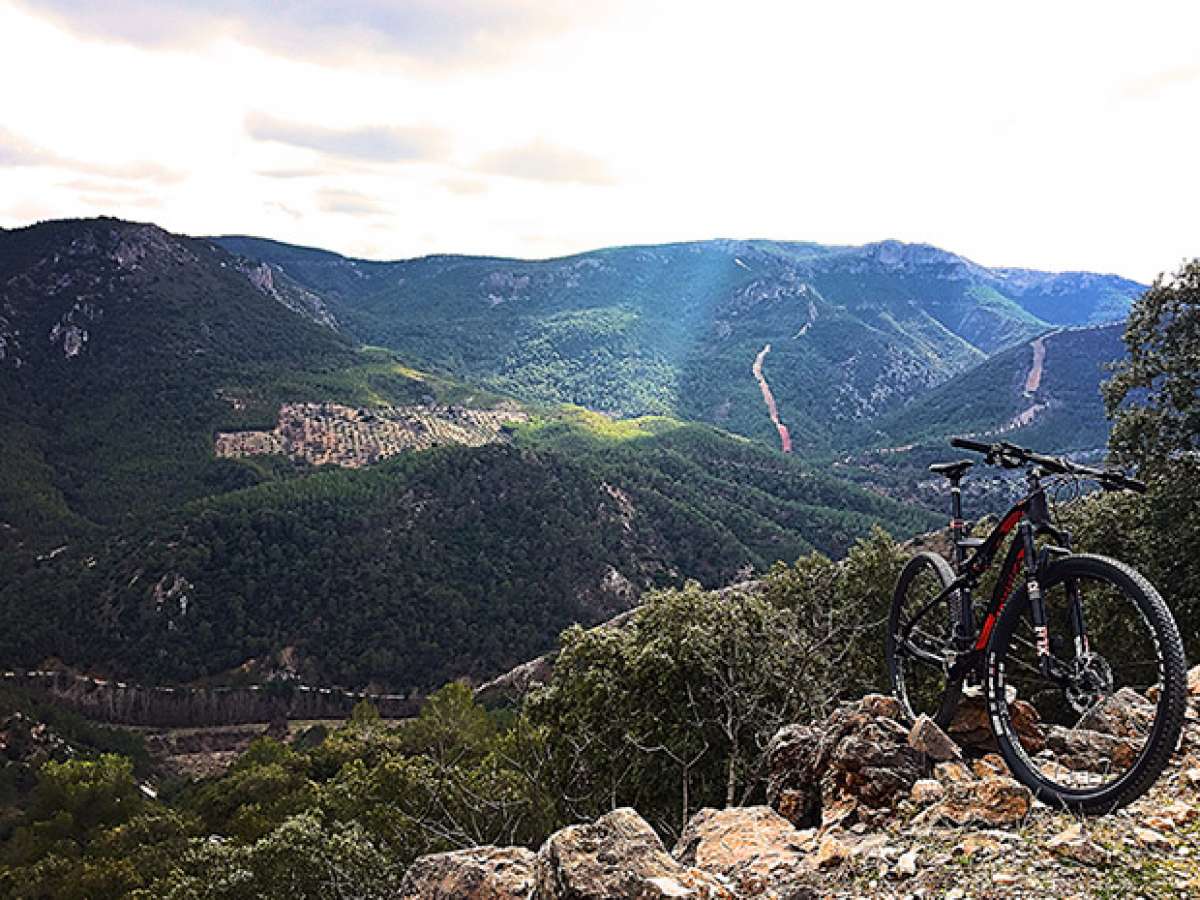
{"type": "Point", "coordinates": [1154, 396]}
{"type": "Point", "coordinates": [672, 711]}
{"type": "Point", "coordinates": [456, 561]}
{"type": "Point", "coordinates": [303, 859]}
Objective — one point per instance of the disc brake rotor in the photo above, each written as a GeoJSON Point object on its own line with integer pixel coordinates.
{"type": "Point", "coordinates": [1091, 680]}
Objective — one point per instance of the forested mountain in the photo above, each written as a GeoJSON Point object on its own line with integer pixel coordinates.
{"type": "Point", "coordinates": [839, 335]}
{"type": "Point", "coordinates": [1045, 393]}
{"type": "Point", "coordinates": [454, 561]}
{"type": "Point", "coordinates": [161, 518]}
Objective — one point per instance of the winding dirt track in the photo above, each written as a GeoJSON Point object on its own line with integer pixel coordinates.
{"type": "Point", "coordinates": [1034, 379]}
{"type": "Point", "coordinates": [785, 439]}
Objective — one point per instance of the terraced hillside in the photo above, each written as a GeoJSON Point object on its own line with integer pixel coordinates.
{"type": "Point", "coordinates": [333, 434]}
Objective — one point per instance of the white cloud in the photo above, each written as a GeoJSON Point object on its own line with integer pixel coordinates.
{"type": "Point", "coordinates": [1045, 135]}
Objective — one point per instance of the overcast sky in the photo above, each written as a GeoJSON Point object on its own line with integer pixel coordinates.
{"type": "Point", "coordinates": [1054, 135]}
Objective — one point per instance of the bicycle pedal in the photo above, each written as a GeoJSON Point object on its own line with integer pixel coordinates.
{"type": "Point", "coordinates": [972, 691]}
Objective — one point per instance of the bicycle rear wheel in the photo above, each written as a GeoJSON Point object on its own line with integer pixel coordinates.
{"type": "Point", "coordinates": [920, 640]}
{"type": "Point", "coordinates": [1095, 733]}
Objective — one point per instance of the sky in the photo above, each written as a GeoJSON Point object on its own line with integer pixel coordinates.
{"type": "Point", "coordinates": [1058, 135]}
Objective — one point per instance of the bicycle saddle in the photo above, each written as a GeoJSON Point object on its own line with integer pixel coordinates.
{"type": "Point", "coordinates": [952, 470]}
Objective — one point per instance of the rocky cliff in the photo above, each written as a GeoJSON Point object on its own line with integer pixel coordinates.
{"type": "Point", "coordinates": [862, 805]}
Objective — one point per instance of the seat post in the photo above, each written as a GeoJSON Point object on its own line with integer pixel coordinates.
{"type": "Point", "coordinates": [957, 525]}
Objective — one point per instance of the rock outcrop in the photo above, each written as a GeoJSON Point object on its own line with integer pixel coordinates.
{"type": "Point", "coordinates": [855, 767]}
{"type": "Point", "coordinates": [617, 857]}
{"type": "Point", "coordinates": [755, 850]}
{"type": "Point", "coordinates": [884, 810]}
{"type": "Point", "coordinates": [480, 873]}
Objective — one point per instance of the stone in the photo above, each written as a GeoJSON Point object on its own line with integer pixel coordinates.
{"type": "Point", "coordinates": [927, 737]}
{"type": "Point", "coordinates": [1006, 878]}
{"type": "Point", "coordinates": [753, 848]}
{"type": "Point", "coordinates": [831, 852]}
{"type": "Point", "coordinates": [927, 790]}
{"type": "Point", "coordinates": [990, 764]}
{"type": "Point", "coordinates": [617, 857]}
{"type": "Point", "coordinates": [1159, 823]}
{"type": "Point", "coordinates": [853, 766]}
{"type": "Point", "coordinates": [1089, 751]}
{"type": "Point", "coordinates": [480, 873]}
{"type": "Point", "coordinates": [1125, 714]}
{"type": "Point", "coordinates": [974, 843]}
{"type": "Point", "coordinates": [971, 727]}
{"type": "Point", "coordinates": [1180, 812]}
{"type": "Point", "coordinates": [949, 772]}
{"type": "Point", "coordinates": [906, 865]}
{"type": "Point", "coordinates": [994, 801]}
{"type": "Point", "coordinates": [1074, 844]}
{"type": "Point", "coordinates": [1193, 681]}
{"type": "Point", "coordinates": [1151, 839]}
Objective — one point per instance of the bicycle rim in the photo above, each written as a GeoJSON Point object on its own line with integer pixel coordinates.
{"type": "Point", "coordinates": [1097, 731]}
{"type": "Point", "coordinates": [920, 679]}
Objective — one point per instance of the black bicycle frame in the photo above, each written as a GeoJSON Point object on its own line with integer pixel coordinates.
{"type": "Point", "coordinates": [1030, 517]}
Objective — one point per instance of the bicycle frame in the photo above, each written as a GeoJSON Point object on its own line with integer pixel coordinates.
{"type": "Point", "coordinates": [1030, 518]}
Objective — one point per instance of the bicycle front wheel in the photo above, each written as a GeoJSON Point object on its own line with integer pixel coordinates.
{"type": "Point", "coordinates": [1093, 731]}
{"type": "Point", "coordinates": [920, 640]}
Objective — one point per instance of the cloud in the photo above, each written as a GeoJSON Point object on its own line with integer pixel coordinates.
{"type": "Point", "coordinates": [464, 186]}
{"type": "Point", "coordinates": [1159, 82]}
{"type": "Point", "coordinates": [16, 151]}
{"type": "Point", "coordinates": [368, 144]}
{"type": "Point", "coordinates": [542, 161]}
{"type": "Point", "coordinates": [435, 31]}
{"type": "Point", "coordinates": [351, 203]}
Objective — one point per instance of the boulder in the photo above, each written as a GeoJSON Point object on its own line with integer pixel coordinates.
{"type": "Point", "coordinates": [927, 737]}
{"type": "Point", "coordinates": [1087, 751]}
{"type": "Point", "coordinates": [754, 849]}
{"type": "Point", "coordinates": [855, 765]}
{"type": "Point", "coordinates": [1125, 714]}
{"type": "Point", "coordinates": [992, 801]}
{"type": "Point", "coordinates": [971, 727]}
{"type": "Point", "coordinates": [617, 857]}
{"type": "Point", "coordinates": [480, 873]}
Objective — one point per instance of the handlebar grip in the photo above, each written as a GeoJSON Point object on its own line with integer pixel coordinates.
{"type": "Point", "coordinates": [964, 444]}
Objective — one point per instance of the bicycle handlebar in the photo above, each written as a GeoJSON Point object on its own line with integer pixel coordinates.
{"type": "Point", "coordinates": [1010, 456]}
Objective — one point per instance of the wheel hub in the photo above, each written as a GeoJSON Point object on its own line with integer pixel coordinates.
{"type": "Point", "coordinates": [1090, 680]}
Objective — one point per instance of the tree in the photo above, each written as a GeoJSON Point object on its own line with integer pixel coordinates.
{"type": "Point", "coordinates": [1154, 395]}
{"type": "Point", "coordinates": [1154, 401]}
{"type": "Point", "coordinates": [672, 711]}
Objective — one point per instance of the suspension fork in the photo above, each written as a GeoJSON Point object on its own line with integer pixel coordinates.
{"type": "Point", "coordinates": [1037, 604]}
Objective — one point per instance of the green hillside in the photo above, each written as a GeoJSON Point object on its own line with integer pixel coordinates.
{"type": "Point", "coordinates": [455, 561]}
{"type": "Point", "coordinates": [124, 348]}
{"type": "Point", "coordinates": [130, 546]}
{"type": "Point", "coordinates": [1064, 412]}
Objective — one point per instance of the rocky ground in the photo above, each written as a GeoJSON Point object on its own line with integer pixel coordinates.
{"type": "Point", "coordinates": [864, 806]}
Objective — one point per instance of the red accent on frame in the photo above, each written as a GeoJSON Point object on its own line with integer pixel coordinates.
{"type": "Point", "coordinates": [990, 621]}
{"type": "Point", "coordinates": [1011, 520]}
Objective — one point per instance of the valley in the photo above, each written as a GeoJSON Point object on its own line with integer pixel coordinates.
{"type": "Point", "coordinates": [404, 472]}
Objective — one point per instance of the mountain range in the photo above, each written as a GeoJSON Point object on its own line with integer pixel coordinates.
{"type": "Point", "coordinates": [228, 454]}
{"type": "Point", "coordinates": [849, 333]}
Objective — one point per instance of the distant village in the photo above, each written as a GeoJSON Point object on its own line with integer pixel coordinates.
{"type": "Point", "coordinates": [333, 434]}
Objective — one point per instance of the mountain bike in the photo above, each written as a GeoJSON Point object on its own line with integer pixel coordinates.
{"type": "Point", "coordinates": [1077, 657]}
